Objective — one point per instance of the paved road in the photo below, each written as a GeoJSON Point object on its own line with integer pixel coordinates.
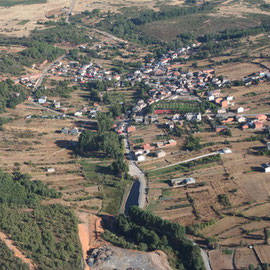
{"type": "Point", "coordinates": [136, 172]}
{"type": "Point", "coordinates": [187, 160]}
{"type": "Point", "coordinates": [45, 70]}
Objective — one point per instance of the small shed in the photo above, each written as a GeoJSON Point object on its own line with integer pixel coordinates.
{"type": "Point", "coordinates": [74, 131]}
{"type": "Point", "coordinates": [50, 170]}
{"type": "Point", "coordinates": [160, 153]}
{"type": "Point", "coordinates": [140, 158]}
{"type": "Point", "coordinates": [65, 130]}
{"type": "Point", "coordinates": [266, 167]}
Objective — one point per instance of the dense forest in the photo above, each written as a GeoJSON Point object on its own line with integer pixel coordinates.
{"type": "Point", "coordinates": [46, 234]}
{"type": "Point", "coordinates": [9, 261]}
{"type": "Point", "coordinates": [144, 231]}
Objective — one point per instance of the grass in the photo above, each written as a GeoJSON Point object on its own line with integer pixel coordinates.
{"type": "Point", "coordinates": [10, 3]}
{"type": "Point", "coordinates": [179, 106]}
{"type": "Point", "coordinates": [111, 188]}
{"type": "Point", "coordinates": [186, 167]}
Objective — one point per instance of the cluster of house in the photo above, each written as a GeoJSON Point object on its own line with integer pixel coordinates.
{"type": "Point", "coordinates": [253, 122]}
{"type": "Point", "coordinates": [255, 77]}
{"type": "Point", "coordinates": [83, 73]}
{"type": "Point", "coordinates": [121, 128]}
{"type": "Point", "coordinates": [153, 149]}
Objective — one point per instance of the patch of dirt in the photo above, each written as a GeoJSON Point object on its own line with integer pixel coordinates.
{"type": "Point", "coordinates": [109, 258]}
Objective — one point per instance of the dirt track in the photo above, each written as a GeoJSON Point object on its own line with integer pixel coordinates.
{"type": "Point", "coordinates": [16, 251]}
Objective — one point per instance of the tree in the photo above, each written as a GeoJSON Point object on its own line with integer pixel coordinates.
{"type": "Point", "coordinates": [116, 109]}
{"type": "Point", "coordinates": [119, 166]}
{"type": "Point", "coordinates": [104, 122]}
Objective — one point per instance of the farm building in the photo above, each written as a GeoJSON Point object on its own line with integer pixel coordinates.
{"type": "Point", "coordinates": [65, 130]}
{"type": "Point", "coordinates": [258, 125]}
{"type": "Point", "coordinates": [160, 153]}
{"type": "Point", "coordinates": [140, 158]}
{"type": "Point", "coordinates": [266, 167]}
{"type": "Point", "coordinates": [138, 119]}
{"type": "Point", "coordinates": [240, 110]}
{"type": "Point", "coordinates": [78, 114]}
{"type": "Point", "coordinates": [171, 143]}
{"type": "Point", "coordinates": [74, 131]}
{"type": "Point", "coordinates": [240, 119]}
{"type": "Point", "coordinates": [131, 129]}
{"type": "Point", "coordinates": [42, 100]}
{"type": "Point", "coordinates": [50, 170]}
{"type": "Point", "coordinates": [261, 117]}
{"type": "Point", "coordinates": [180, 182]}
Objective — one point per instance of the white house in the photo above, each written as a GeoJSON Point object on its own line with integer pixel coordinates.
{"type": "Point", "coordinates": [266, 167]}
{"type": "Point", "coordinates": [140, 158]}
{"type": "Point", "coordinates": [50, 170]}
{"type": "Point", "coordinates": [78, 114]}
{"type": "Point", "coordinates": [42, 100]}
{"type": "Point", "coordinates": [160, 153]}
{"type": "Point", "coordinates": [240, 110]}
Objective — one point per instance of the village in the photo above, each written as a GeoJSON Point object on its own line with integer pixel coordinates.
{"type": "Point", "coordinates": [191, 132]}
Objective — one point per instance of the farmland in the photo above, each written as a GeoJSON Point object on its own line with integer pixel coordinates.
{"type": "Point", "coordinates": [171, 87]}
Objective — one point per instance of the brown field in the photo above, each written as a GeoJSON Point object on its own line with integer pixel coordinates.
{"type": "Point", "coordinates": [220, 261]}
{"type": "Point", "coordinates": [263, 252]}
{"type": "Point", "coordinates": [236, 71]}
{"type": "Point", "coordinates": [244, 257]}
{"type": "Point", "coordinates": [11, 16]}
{"type": "Point", "coordinates": [34, 145]}
{"type": "Point", "coordinates": [254, 98]}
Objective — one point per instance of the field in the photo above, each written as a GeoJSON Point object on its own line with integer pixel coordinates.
{"type": "Point", "coordinates": [10, 3]}
{"type": "Point", "coordinates": [34, 145]}
{"type": "Point", "coordinates": [195, 24]}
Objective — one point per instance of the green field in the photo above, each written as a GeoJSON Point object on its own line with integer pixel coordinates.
{"type": "Point", "coordinates": [183, 107]}
{"type": "Point", "coordinates": [195, 24]}
{"type": "Point", "coordinates": [111, 188]}
{"type": "Point", "coordinates": [10, 3]}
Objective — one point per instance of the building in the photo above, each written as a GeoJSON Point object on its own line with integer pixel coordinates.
{"type": "Point", "coordinates": [181, 182]}
{"type": "Point", "coordinates": [140, 158]}
{"type": "Point", "coordinates": [240, 119]}
{"type": "Point", "coordinates": [224, 104]}
{"type": "Point", "coordinates": [160, 153]}
{"type": "Point", "coordinates": [258, 125]}
{"type": "Point", "coordinates": [268, 145]}
{"type": "Point", "coordinates": [131, 129]}
{"type": "Point", "coordinates": [78, 114]}
{"type": "Point", "coordinates": [42, 100]}
{"type": "Point", "coordinates": [65, 130]}
{"type": "Point", "coordinates": [261, 117]}
{"type": "Point", "coordinates": [138, 119]}
{"type": "Point", "coordinates": [74, 131]}
{"type": "Point", "coordinates": [50, 170]}
{"type": "Point", "coordinates": [266, 167]}
{"type": "Point", "coordinates": [171, 143]}
{"type": "Point", "coordinates": [240, 110]}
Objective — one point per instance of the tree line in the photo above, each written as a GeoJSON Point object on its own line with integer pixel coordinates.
{"type": "Point", "coordinates": [144, 231]}
{"type": "Point", "coordinates": [45, 233]}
